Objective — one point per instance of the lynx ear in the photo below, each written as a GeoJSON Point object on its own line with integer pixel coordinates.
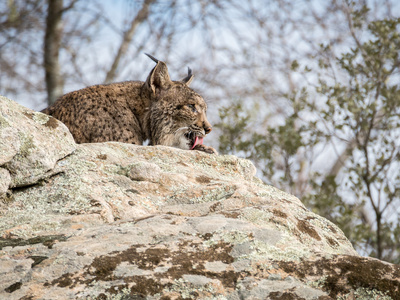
{"type": "Point", "coordinates": [188, 79]}
{"type": "Point", "coordinates": [158, 77]}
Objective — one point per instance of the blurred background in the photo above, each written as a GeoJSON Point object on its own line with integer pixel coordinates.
{"type": "Point", "coordinates": [306, 89]}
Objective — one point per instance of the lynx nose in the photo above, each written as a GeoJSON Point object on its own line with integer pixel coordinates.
{"type": "Point", "coordinates": [207, 129]}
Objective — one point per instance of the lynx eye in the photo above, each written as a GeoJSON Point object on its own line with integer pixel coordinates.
{"type": "Point", "coordinates": [192, 107]}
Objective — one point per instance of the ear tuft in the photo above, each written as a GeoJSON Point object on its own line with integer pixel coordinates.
{"type": "Point", "coordinates": [188, 79]}
{"type": "Point", "coordinates": [152, 58]}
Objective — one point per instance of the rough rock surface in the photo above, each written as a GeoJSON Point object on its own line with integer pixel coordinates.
{"type": "Point", "coordinates": [30, 145]}
{"type": "Point", "coordinates": [119, 221]}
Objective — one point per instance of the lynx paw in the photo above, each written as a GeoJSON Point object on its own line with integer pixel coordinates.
{"type": "Point", "coordinates": [206, 149]}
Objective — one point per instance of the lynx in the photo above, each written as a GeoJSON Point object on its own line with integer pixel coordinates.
{"type": "Point", "coordinates": [160, 110]}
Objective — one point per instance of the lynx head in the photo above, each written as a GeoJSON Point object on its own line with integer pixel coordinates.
{"type": "Point", "coordinates": [177, 113]}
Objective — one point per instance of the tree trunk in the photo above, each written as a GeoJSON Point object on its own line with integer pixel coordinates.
{"type": "Point", "coordinates": [52, 44]}
{"type": "Point", "coordinates": [378, 236]}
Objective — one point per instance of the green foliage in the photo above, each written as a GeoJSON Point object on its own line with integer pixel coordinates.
{"type": "Point", "coordinates": [359, 112]}
{"type": "Point", "coordinates": [13, 11]}
{"type": "Point", "coordinates": [275, 148]}
{"type": "Point", "coordinates": [234, 125]}
{"type": "Point", "coordinates": [367, 110]}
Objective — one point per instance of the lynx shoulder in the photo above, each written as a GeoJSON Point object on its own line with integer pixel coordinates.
{"type": "Point", "coordinates": [160, 110]}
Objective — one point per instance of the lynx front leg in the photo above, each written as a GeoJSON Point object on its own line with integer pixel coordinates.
{"type": "Point", "coordinates": [206, 149]}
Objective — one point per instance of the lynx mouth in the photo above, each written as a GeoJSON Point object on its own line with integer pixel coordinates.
{"type": "Point", "coordinates": [194, 139]}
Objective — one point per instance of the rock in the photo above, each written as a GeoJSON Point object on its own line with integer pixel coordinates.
{"type": "Point", "coordinates": [119, 221]}
{"type": "Point", "coordinates": [5, 181]}
{"type": "Point", "coordinates": [30, 143]}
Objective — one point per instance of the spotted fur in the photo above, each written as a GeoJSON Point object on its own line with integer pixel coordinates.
{"type": "Point", "coordinates": [160, 110]}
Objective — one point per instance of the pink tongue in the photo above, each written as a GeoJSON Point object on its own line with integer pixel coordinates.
{"type": "Point", "coordinates": [197, 141]}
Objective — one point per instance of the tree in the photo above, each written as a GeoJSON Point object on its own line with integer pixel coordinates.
{"type": "Point", "coordinates": [254, 52]}
{"type": "Point", "coordinates": [358, 111]}
{"type": "Point", "coordinates": [368, 108]}
{"type": "Point", "coordinates": [92, 45]}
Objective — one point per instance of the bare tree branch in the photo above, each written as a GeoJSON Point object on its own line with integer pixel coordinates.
{"type": "Point", "coordinates": [140, 17]}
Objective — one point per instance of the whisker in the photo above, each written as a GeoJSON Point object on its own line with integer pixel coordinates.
{"type": "Point", "coordinates": [179, 129]}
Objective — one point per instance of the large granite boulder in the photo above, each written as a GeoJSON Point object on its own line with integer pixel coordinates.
{"type": "Point", "coordinates": [30, 145]}
{"type": "Point", "coordinates": [119, 221]}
